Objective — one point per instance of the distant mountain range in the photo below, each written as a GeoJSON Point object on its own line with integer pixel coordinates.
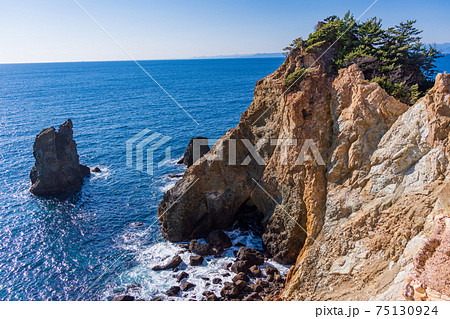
{"type": "Point", "coordinates": [444, 47]}
{"type": "Point", "coordinates": [242, 56]}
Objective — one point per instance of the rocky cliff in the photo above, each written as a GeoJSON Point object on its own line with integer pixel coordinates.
{"type": "Point", "coordinates": [359, 204]}
{"type": "Point", "coordinates": [57, 169]}
{"type": "Point", "coordinates": [386, 224]}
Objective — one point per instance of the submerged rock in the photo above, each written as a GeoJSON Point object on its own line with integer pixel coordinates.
{"type": "Point", "coordinates": [137, 224]}
{"type": "Point", "coordinates": [229, 291]}
{"type": "Point", "coordinates": [184, 246]}
{"type": "Point", "coordinates": [57, 169]}
{"type": "Point", "coordinates": [185, 286]}
{"type": "Point", "coordinates": [173, 291]}
{"type": "Point", "coordinates": [199, 248]}
{"type": "Point", "coordinates": [217, 251]}
{"type": "Point", "coordinates": [240, 266]}
{"type": "Point", "coordinates": [175, 262]}
{"type": "Point", "coordinates": [227, 266]}
{"type": "Point", "coordinates": [251, 255]}
{"type": "Point", "coordinates": [182, 275]}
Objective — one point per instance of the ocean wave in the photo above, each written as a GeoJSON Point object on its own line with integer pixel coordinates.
{"type": "Point", "coordinates": [144, 283]}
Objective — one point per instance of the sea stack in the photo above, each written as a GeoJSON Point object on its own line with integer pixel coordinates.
{"type": "Point", "coordinates": [188, 158]}
{"type": "Point", "coordinates": [57, 169]}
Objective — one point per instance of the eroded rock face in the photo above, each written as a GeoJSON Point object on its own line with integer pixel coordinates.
{"type": "Point", "coordinates": [430, 277]}
{"type": "Point", "coordinates": [214, 192]}
{"type": "Point", "coordinates": [57, 169]}
{"type": "Point", "coordinates": [378, 241]}
{"type": "Point", "coordinates": [352, 226]}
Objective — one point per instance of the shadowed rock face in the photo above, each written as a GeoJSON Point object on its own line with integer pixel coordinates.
{"type": "Point", "coordinates": [214, 194]}
{"type": "Point", "coordinates": [57, 169]}
{"type": "Point", "coordinates": [188, 158]}
{"type": "Point", "coordinates": [355, 224]}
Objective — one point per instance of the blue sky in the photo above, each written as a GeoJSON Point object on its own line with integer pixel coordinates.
{"type": "Point", "coordinates": [58, 30]}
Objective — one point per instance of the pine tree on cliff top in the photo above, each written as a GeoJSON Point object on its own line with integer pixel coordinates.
{"type": "Point", "coordinates": [394, 57]}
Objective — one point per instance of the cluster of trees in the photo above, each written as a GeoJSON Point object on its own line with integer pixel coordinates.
{"type": "Point", "coordinates": [394, 57]}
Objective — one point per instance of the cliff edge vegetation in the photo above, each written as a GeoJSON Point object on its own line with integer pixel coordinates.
{"type": "Point", "coordinates": [394, 57]}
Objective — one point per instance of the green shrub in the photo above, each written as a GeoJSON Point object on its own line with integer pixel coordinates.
{"type": "Point", "coordinates": [295, 44]}
{"type": "Point", "coordinates": [394, 57]}
{"type": "Point", "coordinates": [296, 77]}
{"type": "Point", "coordinates": [408, 95]}
{"type": "Point", "coordinates": [314, 47]}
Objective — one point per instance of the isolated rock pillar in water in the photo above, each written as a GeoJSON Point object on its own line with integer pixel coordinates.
{"type": "Point", "coordinates": [57, 169]}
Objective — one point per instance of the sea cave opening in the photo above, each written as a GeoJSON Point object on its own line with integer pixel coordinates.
{"type": "Point", "coordinates": [248, 217]}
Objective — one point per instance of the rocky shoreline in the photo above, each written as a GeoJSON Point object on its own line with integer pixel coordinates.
{"type": "Point", "coordinates": [249, 276]}
{"type": "Point", "coordinates": [249, 281]}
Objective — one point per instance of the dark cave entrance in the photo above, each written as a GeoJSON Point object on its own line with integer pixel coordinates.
{"type": "Point", "coordinates": [248, 217]}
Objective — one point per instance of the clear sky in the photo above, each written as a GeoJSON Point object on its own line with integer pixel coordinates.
{"type": "Point", "coordinates": [58, 30]}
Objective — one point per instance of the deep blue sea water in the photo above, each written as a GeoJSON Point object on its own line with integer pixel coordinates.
{"type": "Point", "coordinates": [55, 250]}
{"type": "Point", "coordinates": [443, 64]}
{"type": "Point", "coordinates": [89, 246]}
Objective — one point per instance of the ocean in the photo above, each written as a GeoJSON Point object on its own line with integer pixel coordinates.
{"type": "Point", "coordinates": [92, 246]}
{"type": "Point", "coordinates": [443, 64]}
{"type": "Point", "coordinates": [62, 249]}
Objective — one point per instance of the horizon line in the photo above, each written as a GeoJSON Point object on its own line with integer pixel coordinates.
{"type": "Point", "coordinates": [212, 57]}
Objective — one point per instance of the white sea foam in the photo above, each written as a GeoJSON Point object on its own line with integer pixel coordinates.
{"type": "Point", "coordinates": [168, 186]}
{"type": "Point", "coordinates": [142, 282]}
{"type": "Point", "coordinates": [105, 173]}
